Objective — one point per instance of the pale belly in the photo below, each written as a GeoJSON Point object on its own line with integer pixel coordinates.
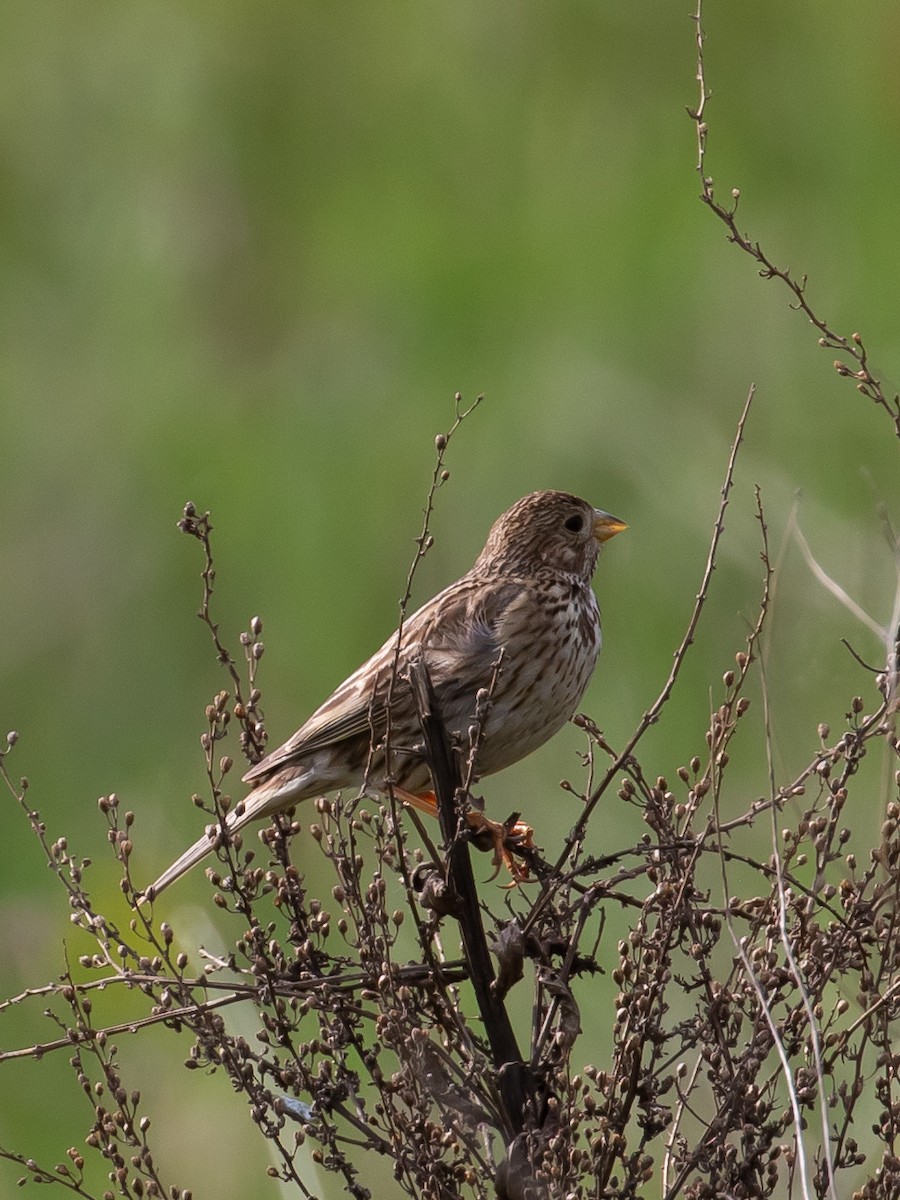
{"type": "Point", "coordinates": [541, 689]}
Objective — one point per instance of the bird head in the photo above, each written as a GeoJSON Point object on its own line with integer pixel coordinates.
{"type": "Point", "coordinates": [548, 533]}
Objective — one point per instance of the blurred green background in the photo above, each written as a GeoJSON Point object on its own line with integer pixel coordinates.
{"type": "Point", "coordinates": [248, 253]}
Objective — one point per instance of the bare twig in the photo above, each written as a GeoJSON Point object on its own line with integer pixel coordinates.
{"type": "Point", "coordinates": [653, 712]}
{"type": "Point", "coordinates": [860, 372]}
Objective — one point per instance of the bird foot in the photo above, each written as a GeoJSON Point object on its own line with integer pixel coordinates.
{"type": "Point", "coordinates": [507, 839]}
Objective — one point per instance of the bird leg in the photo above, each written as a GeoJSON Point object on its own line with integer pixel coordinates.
{"type": "Point", "coordinates": [506, 838]}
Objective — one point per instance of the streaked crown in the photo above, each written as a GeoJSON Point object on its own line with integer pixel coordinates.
{"type": "Point", "coordinates": [545, 533]}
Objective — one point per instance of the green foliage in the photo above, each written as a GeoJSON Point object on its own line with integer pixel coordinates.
{"type": "Point", "coordinates": [248, 253]}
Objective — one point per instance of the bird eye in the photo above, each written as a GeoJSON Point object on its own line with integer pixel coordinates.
{"type": "Point", "coordinates": [576, 523]}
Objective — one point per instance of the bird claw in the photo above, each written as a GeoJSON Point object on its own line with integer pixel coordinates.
{"type": "Point", "coordinates": [506, 838]}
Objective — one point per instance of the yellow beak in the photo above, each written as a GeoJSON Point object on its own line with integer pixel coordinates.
{"type": "Point", "coordinates": [606, 525]}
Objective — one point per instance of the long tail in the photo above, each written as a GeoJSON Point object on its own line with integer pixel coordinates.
{"type": "Point", "coordinates": [261, 802]}
{"type": "Point", "coordinates": [181, 865]}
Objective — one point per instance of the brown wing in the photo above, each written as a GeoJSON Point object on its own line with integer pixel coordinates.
{"type": "Point", "coordinates": [456, 633]}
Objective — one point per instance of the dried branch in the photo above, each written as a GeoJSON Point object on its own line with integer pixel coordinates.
{"type": "Point", "coordinates": [651, 716]}
{"type": "Point", "coordinates": [516, 1083]}
{"type": "Point", "coordinates": [866, 383]}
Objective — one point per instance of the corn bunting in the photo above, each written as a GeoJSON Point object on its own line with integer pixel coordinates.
{"type": "Point", "coordinates": [527, 603]}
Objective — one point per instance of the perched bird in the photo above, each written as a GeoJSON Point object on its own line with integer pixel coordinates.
{"type": "Point", "coordinates": [527, 603]}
